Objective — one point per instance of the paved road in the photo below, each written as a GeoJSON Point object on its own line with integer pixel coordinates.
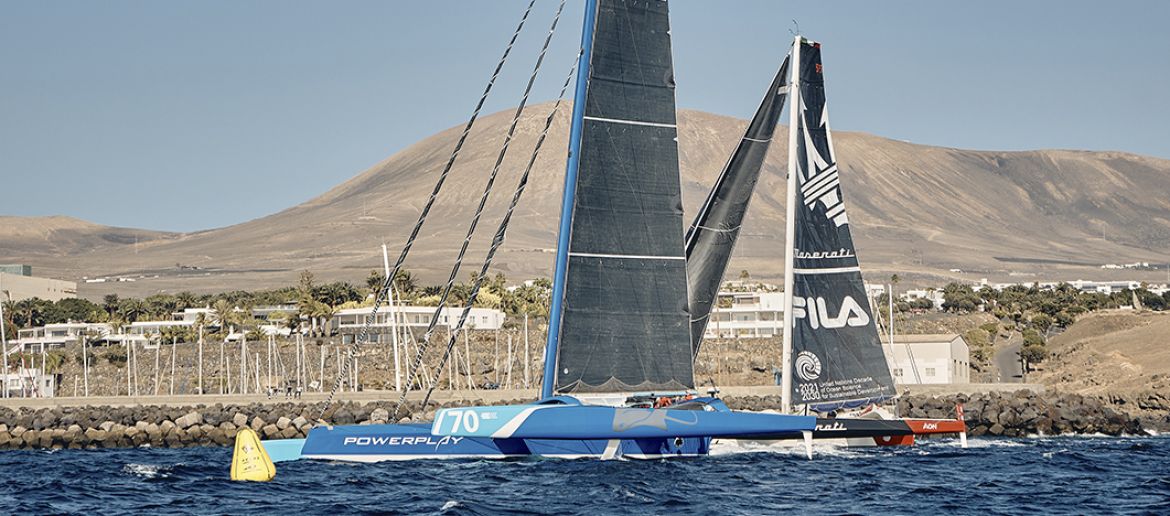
{"type": "Point", "coordinates": [1007, 363]}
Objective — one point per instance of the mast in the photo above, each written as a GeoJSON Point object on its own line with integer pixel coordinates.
{"type": "Point", "coordinates": [562, 261]}
{"type": "Point", "coordinates": [393, 321]}
{"type": "Point", "coordinates": [790, 230]}
{"type": "Point", "coordinates": [833, 355]}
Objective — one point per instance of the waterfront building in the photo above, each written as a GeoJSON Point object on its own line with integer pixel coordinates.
{"type": "Point", "coordinates": [29, 382]}
{"type": "Point", "coordinates": [928, 359]}
{"type": "Point", "coordinates": [349, 322]}
{"type": "Point", "coordinates": [56, 335]}
{"type": "Point", "coordinates": [747, 314]}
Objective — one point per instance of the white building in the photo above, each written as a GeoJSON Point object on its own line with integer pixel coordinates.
{"type": "Point", "coordinates": [56, 335]}
{"type": "Point", "coordinates": [349, 322]}
{"type": "Point", "coordinates": [18, 287]}
{"type": "Point", "coordinates": [1104, 287]}
{"type": "Point", "coordinates": [933, 295]}
{"type": "Point", "coordinates": [28, 382]}
{"type": "Point", "coordinates": [928, 359]}
{"type": "Point", "coordinates": [746, 314]}
{"type": "Point", "coordinates": [151, 328]}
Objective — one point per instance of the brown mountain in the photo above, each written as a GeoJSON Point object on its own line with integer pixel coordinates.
{"type": "Point", "coordinates": [22, 238]}
{"type": "Point", "coordinates": [916, 210]}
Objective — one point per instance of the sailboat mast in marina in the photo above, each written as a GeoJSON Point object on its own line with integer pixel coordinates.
{"type": "Point", "coordinates": [831, 350]}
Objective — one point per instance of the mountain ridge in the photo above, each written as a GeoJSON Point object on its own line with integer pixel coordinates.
{"type": "Point", "coordinates": [917, 210]}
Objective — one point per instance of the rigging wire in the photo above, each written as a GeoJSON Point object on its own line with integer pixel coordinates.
{"type": "Point", "coordinates": [454, 332]}
{"type": "Point", "coordinates": [380, 297]}
{"type": "Point", "coordinates": [498, 240]}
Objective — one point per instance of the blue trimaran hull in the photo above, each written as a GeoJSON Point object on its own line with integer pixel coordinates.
{"type": "Point", "coordinates": [551, 428]}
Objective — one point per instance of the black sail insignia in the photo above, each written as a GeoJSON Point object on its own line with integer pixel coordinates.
{"type": "Point", "coordinates": [625, 325]}
{"type": "Point", "coordinates": [836, 354]}
{"type": "Point", "coordinates": [713, 234]}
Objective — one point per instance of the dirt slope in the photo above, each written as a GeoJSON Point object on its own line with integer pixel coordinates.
{"type": "Point", "coordinates": [1112, 352]}
{"type": "Point", "coordinates": [916, 210]}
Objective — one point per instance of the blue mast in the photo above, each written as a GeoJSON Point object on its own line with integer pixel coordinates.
{"type": "Point", "coordinates": [558, 293]}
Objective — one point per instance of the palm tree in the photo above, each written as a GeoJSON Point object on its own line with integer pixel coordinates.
{"type": "Point", "coordinates": [224, 314]}
{"type": "Point", "coordinates": [405, 283]}
{"type": "Point", "coordinates": [132, 309]}
{"type": "Point", "coordinates": [116, 322]}
{"type": "Point", "coordinates": [53, 362]}
{"type": "Point", "coordinates": [326, 312]}
{"type": "Point", "coordinates": [110, 303]}
{"type": "Point", "coordinates": [185, 300]}
{"type": "Point", "coordinates": [374, 281]}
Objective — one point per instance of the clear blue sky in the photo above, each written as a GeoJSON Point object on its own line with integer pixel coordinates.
{"type": "Point", "coordinates": [194, 115]}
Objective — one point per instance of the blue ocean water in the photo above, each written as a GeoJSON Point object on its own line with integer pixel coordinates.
{"type": "Point", "coordinates": [1056, 475]}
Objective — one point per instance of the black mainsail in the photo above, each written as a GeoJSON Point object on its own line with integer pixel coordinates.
{"type": "Point", "coordinates": [624, 324]}
{"type": "Point", "coordinates": [832, 354]}
{"type": "Point", "coordinates": [713, 234]}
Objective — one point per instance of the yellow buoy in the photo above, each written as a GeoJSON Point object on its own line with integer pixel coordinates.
{"type": "Point", "coordinates": [249, 460]}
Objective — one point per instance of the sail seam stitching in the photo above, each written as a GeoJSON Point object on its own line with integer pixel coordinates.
{"type": "Point", "coordinates": [630, 122]}
{"type": "Point", "coordinates": [830, 270]}
{"type": "Point", "coordinates": [720, 230]}
{"type": "Point", "coordinates": [630, 256]}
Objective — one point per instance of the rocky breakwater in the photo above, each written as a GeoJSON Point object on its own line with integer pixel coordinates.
{"type": "Point", "coordinates": [1022, 413]}
{"type": "Point", "coordinates": [998, 414]}
{"type": "Point", "coordinates": [1017, 414]}
{"type": "Point", "coordinates": [172, 427]}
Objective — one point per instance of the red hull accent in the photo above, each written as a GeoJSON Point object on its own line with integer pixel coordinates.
{"type": "Point", "coordinates": [936, 426]}
{"type": "Point", "coordinates": [894, 440]}
{"type": "Point", "coordinates": [923, 427]}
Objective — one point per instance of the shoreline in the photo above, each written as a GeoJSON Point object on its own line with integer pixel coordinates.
{"type": "Point", "coordinates": [88, 426]}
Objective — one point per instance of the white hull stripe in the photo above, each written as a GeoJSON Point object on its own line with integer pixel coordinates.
{"type": "Point", "coordinates": [384, 457]}
{"type": "Point", "coordinates": [510, 427]}
{"type": "Point", "coordinates": [628, 256]}
{"type": "Point", "coordinates": [629, 122]}
{"type": "Point", "coordinates": [832, 270]}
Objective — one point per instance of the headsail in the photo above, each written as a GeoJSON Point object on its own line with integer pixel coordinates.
{"type": "Point", "coordinates": [836, 354]}
{"type": "Point", "coordinates": [712, 235]}
{"type": "Point", "coordinates": [624, 324]}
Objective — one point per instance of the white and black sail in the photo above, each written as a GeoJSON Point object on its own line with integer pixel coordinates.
{"type": "Point", "coordinates": [712, 236]}
{"type": "Point", "coordinates": [836, 356]}
{"type": "Point", "coordinates": [624, 324]}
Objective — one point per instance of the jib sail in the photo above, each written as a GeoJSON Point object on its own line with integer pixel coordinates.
{"type": "Point", "coordinates": [712, 235]}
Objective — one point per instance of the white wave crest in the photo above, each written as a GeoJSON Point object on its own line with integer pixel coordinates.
{"type": "Point", "coordinates": [147, 470]}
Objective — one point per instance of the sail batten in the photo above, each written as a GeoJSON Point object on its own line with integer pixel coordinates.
{"type": "Point", "coordinates": [625, 323]}
{"type": "Point", "coordinates": [714, 232]}
{"type": "Point", "coordinates": [836, 356]}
